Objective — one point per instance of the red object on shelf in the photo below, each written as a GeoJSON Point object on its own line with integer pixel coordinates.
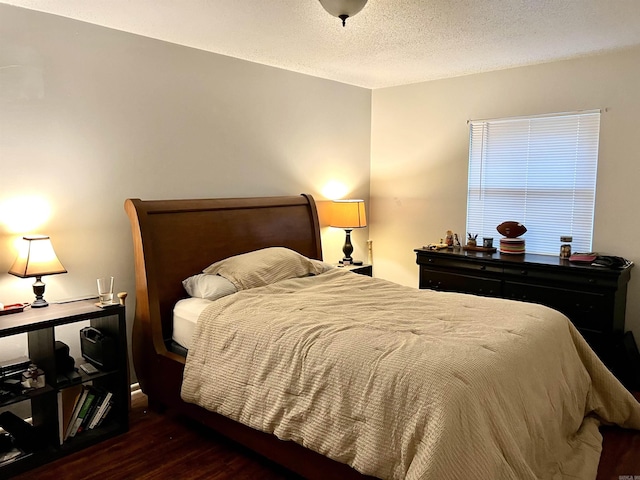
{"type": "Point", "coordinates": [14, 308]}
{"type": "Point", "coordinates": [582, 257]}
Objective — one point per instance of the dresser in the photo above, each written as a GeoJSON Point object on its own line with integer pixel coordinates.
{"type": "Point", "coordinates": [594, 298]}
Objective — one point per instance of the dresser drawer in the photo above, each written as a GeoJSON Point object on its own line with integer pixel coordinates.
{"type": "Point", "coordinates": [452, 282]}
{"type": "Point", "coordinates": [542, 275]}
{"type": "Point", "coordinates": [587, 310]}
{"type": "Point", "coordinates": [452, 263]}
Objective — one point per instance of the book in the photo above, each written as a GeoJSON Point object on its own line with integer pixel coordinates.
{"type": "Point", "coordinates": [76, 411]}
{"type": "Point", "coordinates": [100, 410]}
{"type": "Point", "coordinates": [106, 412]}
{"type": "Point", "coordinates": [86, 405]}
{"type": "Point", "coordinates": [67, 400]}
{"type": "Point", "coordinates": [98, 396]}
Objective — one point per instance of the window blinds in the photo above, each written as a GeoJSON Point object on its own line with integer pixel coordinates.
{"type": "Point", "coordinates": [539, 171]}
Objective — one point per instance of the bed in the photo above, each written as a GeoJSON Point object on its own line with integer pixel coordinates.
{"type": "Point", "coordinates": [504, 389]}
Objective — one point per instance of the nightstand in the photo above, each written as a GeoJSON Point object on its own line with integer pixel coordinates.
{"type": "Point", "coordinates": [364, 269]}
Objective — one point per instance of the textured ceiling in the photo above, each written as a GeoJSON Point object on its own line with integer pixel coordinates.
{"type": "Point", "coordinates": [390, 42]}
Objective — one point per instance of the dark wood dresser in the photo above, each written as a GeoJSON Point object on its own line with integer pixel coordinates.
{"type": "Point", "coordinates": [594, 298]}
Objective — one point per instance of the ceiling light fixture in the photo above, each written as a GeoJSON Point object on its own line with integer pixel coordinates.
{"type": "Point", "coordinates": [343, 9]}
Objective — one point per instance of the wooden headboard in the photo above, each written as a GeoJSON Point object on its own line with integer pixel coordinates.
{"type": "Point", "coordinates": [174, 239]}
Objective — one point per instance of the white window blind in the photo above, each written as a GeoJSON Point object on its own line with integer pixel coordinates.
{"type": "Point", "coordinates": [539, 171]}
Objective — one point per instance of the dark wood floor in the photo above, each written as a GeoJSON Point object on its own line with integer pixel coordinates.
{"type": "Point", "coordinates": [169, 447]}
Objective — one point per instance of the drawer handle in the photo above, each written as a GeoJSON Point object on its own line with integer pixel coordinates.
{"type": "Point", "coordinates": [523, 272]}
{"type": "Point", "coordinates": [483, 267]}
{"type": "Point", "coordinates": [430, 260]}
{"type": "Point", "coordinates": [586, 307]}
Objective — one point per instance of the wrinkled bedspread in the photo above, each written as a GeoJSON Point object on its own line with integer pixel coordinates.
{"type": "Point", "coordinates": [405, 383]}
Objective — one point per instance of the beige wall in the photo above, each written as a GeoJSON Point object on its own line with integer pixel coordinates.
{"type": "Point", "coordinates": [90, 116]}
{"type": "Point", "coordinates": [419, 154]}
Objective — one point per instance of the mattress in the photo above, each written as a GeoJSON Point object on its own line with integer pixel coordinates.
{"type": "Point", "coordinates": [185, 317]}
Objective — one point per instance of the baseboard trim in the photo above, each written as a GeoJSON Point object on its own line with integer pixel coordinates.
{"type": "Point", "coordinates": [135, 388]}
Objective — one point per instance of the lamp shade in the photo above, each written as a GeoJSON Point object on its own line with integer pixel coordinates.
{"type": "Point", "coordinates": [348, 214]}
{"type": "Point", "coordinates": [36, 258]}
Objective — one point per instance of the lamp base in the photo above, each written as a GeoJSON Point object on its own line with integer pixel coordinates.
{"type": "Point", "coordinates": [351, 261]}
{"type": "Point", "coordinates": [38, 289]}
{"type": "Point", "coordinates": [39, 303]}
{"type": "Point", "coordinates": [347, 249]}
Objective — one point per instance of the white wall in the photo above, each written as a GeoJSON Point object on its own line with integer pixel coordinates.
{"type": "Point", "coordinates": [91, 116]}
{"type": "Point", "coordinates": [419, 154]}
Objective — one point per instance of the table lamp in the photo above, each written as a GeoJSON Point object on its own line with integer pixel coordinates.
{"type": "Point", "coordinates": [35, 259]}
{"type": "Point", "coordinates": [348, 214]}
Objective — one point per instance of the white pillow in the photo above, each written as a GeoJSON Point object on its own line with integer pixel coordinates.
{"type": "Point", "coordinates": [211, 287]}
{"type": "Point", "coordinates": [264, 267]}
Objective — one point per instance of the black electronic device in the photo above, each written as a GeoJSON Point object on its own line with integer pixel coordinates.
{"type": "Point", "coordinates": [25, 436]}
{"type": "Point", "coordinates": [97, 348]}
{"type": "Point", "coordinates": [14, 366]}
{"type": "Point", "coordinates": [6, 442]}
{"type": "Point", "coordinates": [61, 349]}
{"type": "Point", "coordinates": [68, 378]}
{"type": "Point", "coordinates": [64, 362]}
{"type": "Point", "coordinates": [611, 261]}
{"type": "Point", "coordinates": [89, 369]}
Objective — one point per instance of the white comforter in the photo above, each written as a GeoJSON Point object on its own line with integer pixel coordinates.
{"type": "Point", "coordinates": [406, 383]}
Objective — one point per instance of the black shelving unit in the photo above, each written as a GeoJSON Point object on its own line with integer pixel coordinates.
{"type": "Point", "coordinates": [40, 327]}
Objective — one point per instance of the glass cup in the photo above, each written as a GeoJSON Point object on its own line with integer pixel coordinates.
{"type": "Point", "coordinates": [105, 290]}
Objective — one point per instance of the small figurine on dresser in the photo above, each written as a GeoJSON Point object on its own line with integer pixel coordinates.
{"type": "Point", "coordinates": [565, 248]}
{"type": "Point", "coordinates": [449, 238]}
{"type": "Point", "coordinates": [472, 240]}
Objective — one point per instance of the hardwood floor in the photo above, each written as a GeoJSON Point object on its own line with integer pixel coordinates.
{"type": "Point", "coordinates": [158, 447]}
{"type": "Point", "coordinates": [164, 446]}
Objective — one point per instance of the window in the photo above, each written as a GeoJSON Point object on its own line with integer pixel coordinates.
{"type": "Point", "coordinates": [539, 171]}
